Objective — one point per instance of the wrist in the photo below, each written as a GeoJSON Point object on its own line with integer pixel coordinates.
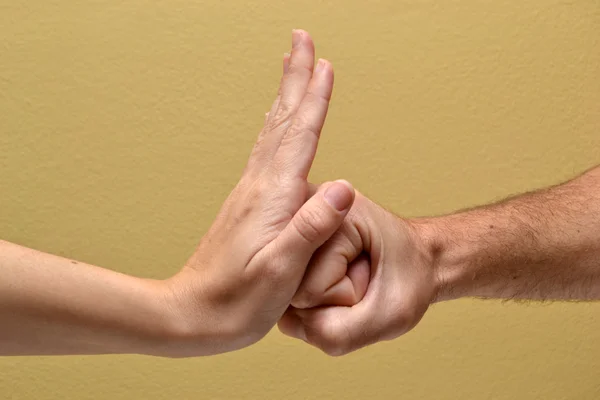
{"type": "Point", "coordinates": [185, 330]}
{"type": "Point", "coordinates": [197, 319]}
{"type": "Point", "coordinates": [165, 328]}
{"type": "Point", "coordinates": [447, 255]}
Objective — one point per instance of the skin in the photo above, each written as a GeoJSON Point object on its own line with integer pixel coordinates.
{"type": "Point", "coordinates": [371, 275]}
{"type": "Point", "coordinates": [543, 245]}
{"type": "Point", "coordinates": [240, 279]}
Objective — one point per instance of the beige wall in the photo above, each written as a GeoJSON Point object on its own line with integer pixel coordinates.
{"type": "Point", "coordinates": [123, 125]}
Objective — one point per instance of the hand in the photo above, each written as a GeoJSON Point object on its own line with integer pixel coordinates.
{"type": "Point", "coordinates": [245, 271]}
{"type": "Point", "coordinates": [375, 254]}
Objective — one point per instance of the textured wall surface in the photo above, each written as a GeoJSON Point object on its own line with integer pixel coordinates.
{"type": "Point", "coordinates": [123, 125]}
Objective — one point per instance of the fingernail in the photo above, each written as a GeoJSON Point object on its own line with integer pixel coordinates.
{"type": "Point", "coordinates": [339, 195]}
{"type": "Point", "coordinates": [296, 37]}
{"type": "Point", "coordinates": [320, 65]}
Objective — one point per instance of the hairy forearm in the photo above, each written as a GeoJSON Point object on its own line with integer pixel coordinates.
{"type": "Point", "coordinates": [53, 305]}
{"type": "Point", "coordinates": [540, 245]}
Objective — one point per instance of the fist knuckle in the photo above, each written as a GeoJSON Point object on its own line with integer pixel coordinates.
{"type": "Point", "coordinates": [334, 342]}
{"type": "Point", "coordinates": [331, 349]}
{"type": "Point", "coordinates": [335, 348]}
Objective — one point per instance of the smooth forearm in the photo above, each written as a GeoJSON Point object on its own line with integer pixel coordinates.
{"type": "Point", "coordinates": [53, 305]}
{"type": "Point", "coordinates": [540, 245]}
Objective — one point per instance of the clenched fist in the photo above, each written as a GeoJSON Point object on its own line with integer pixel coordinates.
{"type": "Point", "coordinates": [371, 281]}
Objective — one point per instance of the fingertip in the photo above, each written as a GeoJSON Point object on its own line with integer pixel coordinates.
{"type": "Point", "coordinates": [301, 41]}
{"type": "Point", "coordinates": [296, 37]}
{"type": "Point", "coordinates": [299, 36]}
{"type": "Point", "coordinates": [323, 79]}
{"type": "Point", "coordinates": [323, 65]}
{"type": "Point", "coordinates": [339, 194]}
{"type": "Point", "coordinates": [345, 183]}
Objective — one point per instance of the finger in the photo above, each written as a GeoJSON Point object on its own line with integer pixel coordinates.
{"type": "Point", "coordinates": [327, 272]}
{"type": "Point", "coordinates": [299, 144]}
{"type": "Point", "coordinates": [334, 330]}
{"type": "Point", "coordinates": [316, 221]}
{"type": "Point", "coordinates": [351, 289]}
{"type": "Point", "coordinates": [346, 291]}
{"type": "Point", "coordinates": [291, 325]}
{"type": "Point", "coordinates": [298, 74]}
{"type": "Point", "coordinates": [359, 273]}
{"type": "Point", "coordinates": [260, 156]}
{"type": "Point", "coordinates": [298, 68]}
{"type": "Point", "coordinates": [275, 105]}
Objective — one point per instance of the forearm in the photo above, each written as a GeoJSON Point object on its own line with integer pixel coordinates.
{"type": "Point", "coordinates": [541, 245]}
{"type": "Point", "coordinates": [52, 305]}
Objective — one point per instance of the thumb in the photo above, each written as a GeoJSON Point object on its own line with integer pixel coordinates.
{"type": "Point", "coordinates": [316, 221]}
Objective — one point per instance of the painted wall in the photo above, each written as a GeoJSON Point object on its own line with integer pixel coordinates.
{"type": "Point", "coordinates": [123, 125]}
